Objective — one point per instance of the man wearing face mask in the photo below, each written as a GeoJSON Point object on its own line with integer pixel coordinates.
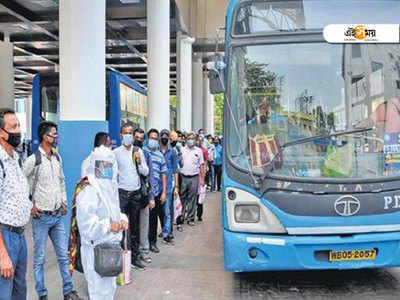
{"type": "Point", "coordinates": [192, 172]}
{"type": "Point", "coordinates": [15, 208]}
{"type": "Point", "coordinates": [129, 164]}
{"type": "Point", "coordinates": [171, 159]}
{"type": "Point", "coordinates": [45, 174]}
{"type": "Point", "coordinates": [144, 246]}
{"type": "Point", "coordinates": [160, 190]}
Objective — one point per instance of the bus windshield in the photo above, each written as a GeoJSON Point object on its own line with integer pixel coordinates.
{"type": "Point", "coordinates": [283, 93]}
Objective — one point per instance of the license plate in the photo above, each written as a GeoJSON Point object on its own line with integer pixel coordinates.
{"type": "Point", "coordinates": [348, 255]}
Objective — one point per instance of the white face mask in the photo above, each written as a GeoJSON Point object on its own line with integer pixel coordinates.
{"type": "Point", "coordinates": [127, 139]}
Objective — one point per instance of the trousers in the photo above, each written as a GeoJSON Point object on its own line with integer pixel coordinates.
{"type": "Point", "coordinates": [155, 213]}
{"type": "Point", "coordinates": [130, 205]}
{"type": "Point", "coordinates": [189, 189]}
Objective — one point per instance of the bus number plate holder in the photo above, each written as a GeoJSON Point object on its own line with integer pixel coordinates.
{"type": "Point", "coordinates": [351, 255]}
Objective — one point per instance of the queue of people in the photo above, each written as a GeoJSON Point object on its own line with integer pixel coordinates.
{"type": "Point", "coordinates": [123, 193]}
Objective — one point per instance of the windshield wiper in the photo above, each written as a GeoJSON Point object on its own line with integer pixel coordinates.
{"type": "Point", "coordinates": [307, 140]}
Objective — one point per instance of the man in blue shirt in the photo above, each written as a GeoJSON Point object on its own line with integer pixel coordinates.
{"type": "Point", "coordinates": [217, 165]}
{"type": "Point", "coordinates": [171, 160]}
{"type": "Point", "coordinates": [160, 189]}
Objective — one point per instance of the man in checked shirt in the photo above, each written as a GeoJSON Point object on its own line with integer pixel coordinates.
{"type": "Point", "coordinates": [45, 174]}
{"type": "Point", "coordinates": [15, 210]}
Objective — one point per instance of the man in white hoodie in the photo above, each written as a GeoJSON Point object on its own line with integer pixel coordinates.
{"type": "Point", "coordinates": [99, 219]}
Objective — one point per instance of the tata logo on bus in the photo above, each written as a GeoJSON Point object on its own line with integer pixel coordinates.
{"type": "Point", "coordinates": [362, 33]}
{"type": "Point", "coordinates": [347, 206]}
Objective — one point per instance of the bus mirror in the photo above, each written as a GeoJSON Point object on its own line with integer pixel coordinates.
{"type": "Point", "coordinates": [216, 82]}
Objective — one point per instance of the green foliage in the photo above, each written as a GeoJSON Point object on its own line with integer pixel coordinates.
{"type": "Point", "coordinates": [218, 113]}
{"type": "Point", "coordinates": [172, 101]}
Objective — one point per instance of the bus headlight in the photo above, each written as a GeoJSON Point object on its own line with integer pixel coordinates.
{"type": "Point", "coordinates": [246, 213]}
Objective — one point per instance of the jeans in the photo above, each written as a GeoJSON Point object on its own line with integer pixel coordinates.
{"type": "Point", "coordinates": [52, 226]}
{"type": "Point", "coordinates": [166, 229]}
{"type": "Point", "coordinates": [130, 205]}
{"type": "Point", "coordinates": [14, 288]}
{"type": "Point", "coordinates": [211, 181]}
{"type": "Point", "coordinates": [155, 213]}
{"type": "Point", "coordinates": [217, 175]}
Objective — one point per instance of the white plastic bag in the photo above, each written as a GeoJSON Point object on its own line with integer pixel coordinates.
{"type": "Point", "coordinates": [202, 194]}
{"type": "Point", "coordinates": [177, 207]}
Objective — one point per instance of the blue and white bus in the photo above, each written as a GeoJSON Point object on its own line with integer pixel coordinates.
{"type": "Point", "coordinates": [311, 172]}
{"type": "Point", "coordinates": [126, 102]}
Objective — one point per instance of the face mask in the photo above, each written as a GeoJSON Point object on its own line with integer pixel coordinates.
{"type": "Point", "coordinates": [106, 173]}
{"type": "Point", "coordinates": [14, 139]}
{"type": "Point", "coordinates": [190, 143]}
{"type": "Point", "coordinates": [138, 143]}
{"type": "Point", "coordinates": [153, 144]}
{"type": "Point", "coordinates": [127, 139]}
{"type": "Point", "coordinates": [173, 144]}
{"type": "Point", "coordinates": [164, 141]}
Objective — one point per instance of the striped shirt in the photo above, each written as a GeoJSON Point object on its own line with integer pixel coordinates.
{"type": "Point", "coordinates": [159, 168]}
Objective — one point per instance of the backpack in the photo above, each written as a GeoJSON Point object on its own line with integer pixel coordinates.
{"type": "Point", "coordinates": [74, 245]}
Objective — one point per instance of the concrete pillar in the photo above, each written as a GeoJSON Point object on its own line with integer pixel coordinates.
{"type": "Point", "coordinates": [184, 83]}
{"type": "Point", "coordinates": [208, 106]}
{"type": "Point", "coordinates": [158, 48]}
{"type": "Point", "coordinates": [82, 83]}
{"type": "Point", "coordinates": [197, 96]}
{"type": "Point", "coordinates": [7, 75]}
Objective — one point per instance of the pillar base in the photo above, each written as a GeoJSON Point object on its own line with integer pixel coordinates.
{"type": "Point", "coordinates": [76, 143]}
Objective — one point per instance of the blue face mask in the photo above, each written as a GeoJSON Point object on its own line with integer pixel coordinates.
{"type": "Point", "coordinates": [127, 139]}
{"type": "Point", "coordinates": [106, 173]}
{"type": "Point", "coordinates": [190, 143]}
{"type": "Point", "coordinates": [153, 144]}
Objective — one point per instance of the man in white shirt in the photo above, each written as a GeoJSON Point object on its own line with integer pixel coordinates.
{"type": "Point", "coordinates": [192, 174]}
{"type": "Point", "coordinates": [131, 161]}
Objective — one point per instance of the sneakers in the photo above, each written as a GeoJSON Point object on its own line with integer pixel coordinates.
{"type": "Point", "coordinates": [160, 235]}
{"type": "Point", "coordinates": [168, 241]}
{"type": "Point", "coordinates": [145, 258]}
{"type": "Point", "coordinates": [200, 219]}
{"type": "Point", "coordinates": [43, 297]}
{"type": "Point", "coordinates": [191, 223]}
{"type": "Point", "coordinates": [179, 228]}
{"type": "Point", "coordinates": [72, 296]}
{"type": "Point", "coordinates": [137, 264]}
{"type": "Point", "coordinates": [154, 248]}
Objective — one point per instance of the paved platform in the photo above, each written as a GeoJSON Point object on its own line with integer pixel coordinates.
{"type": "Point", "coordinates": [193, 269]}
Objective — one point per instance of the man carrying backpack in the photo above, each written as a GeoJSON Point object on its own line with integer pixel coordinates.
{"type": "Point", "coordinates": [46, 177]}
{"type": "Point", "coordinates": [14, 210]}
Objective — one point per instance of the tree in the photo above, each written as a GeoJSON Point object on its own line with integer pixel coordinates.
{"type": "Point", "coordinates": [218, 113]}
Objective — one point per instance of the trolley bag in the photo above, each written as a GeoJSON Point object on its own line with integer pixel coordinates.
{"type": "Point", "coordinates": [125, 277]}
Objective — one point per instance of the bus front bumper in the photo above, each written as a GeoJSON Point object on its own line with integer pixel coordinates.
{"type": "Point", "coordinates": [247, 252]}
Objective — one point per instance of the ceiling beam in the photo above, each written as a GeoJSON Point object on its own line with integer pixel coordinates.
{"type": "Point", "coordinates": [25, 15]}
